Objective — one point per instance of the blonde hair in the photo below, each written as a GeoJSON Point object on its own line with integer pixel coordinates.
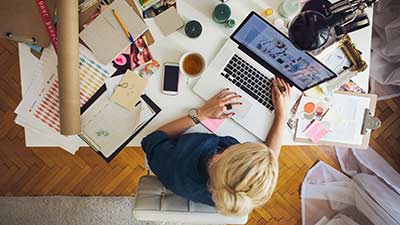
{"type": "Point", "coordinates": [243, 178]}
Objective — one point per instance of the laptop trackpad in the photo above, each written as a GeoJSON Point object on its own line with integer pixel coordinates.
{"type": "Point", "coordinates": [242, 110]}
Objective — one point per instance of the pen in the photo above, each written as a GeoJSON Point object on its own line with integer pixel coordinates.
{"type": "Point", "coordinates": [127, 33]}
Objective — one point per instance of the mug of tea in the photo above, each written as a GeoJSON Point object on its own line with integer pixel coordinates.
{"type": "Point", "coordinates": [192, 64]}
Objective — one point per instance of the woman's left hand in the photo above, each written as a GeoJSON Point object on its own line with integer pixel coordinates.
{"type": "Point", "coordinates": [215, 107]}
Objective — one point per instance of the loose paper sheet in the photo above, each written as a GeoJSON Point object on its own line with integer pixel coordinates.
{"type": "Point", "coordinates": [129, 89]}
{"type": "Point", "coordinates": [41, 98]}
{"type": "Point", "coordinates": [111, 84]}
{"type": "Point", "coordinates": [39, 110]}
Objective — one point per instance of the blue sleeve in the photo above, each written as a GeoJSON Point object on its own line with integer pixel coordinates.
{"type": "Point", "coordinates": [156, 142]}
{"type": "Point", "coordinates": [157, 147]}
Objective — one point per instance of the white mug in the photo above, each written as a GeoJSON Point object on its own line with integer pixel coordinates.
{"type": "Point", "coordinates": [182, 69]}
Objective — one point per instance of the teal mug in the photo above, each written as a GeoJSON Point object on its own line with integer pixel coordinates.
{"type": "Point", "coordinates": [221, 13]}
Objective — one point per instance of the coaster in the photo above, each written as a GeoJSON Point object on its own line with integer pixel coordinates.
{"type": "Point", "coordinates": [193, 29]}
{"type": "Point", "coordinates": [169, 21]}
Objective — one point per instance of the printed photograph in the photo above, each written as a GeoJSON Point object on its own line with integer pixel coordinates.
{"type": "Point", "coordinates": [135, 55]}
{"type": "Point", "coordinates": [351, 86]}
{"type": "Point", "coordinates": [158, 8]}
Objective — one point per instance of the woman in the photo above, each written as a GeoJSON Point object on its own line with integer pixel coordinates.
{"type": "Point", "coordinates": [143, 53]}
{"type": "Point", "coordinates": [219, 171]}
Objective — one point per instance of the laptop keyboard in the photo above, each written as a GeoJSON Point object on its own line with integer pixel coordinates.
{"type": "Point", "coordinates": [250, 80]}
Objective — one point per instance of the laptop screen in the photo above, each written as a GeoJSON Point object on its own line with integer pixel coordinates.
{"type": "Point", "coordinates": [275, 52]}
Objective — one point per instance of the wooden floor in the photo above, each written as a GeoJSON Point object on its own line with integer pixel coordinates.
{"type": "Point", "coordinates": [52, 171]}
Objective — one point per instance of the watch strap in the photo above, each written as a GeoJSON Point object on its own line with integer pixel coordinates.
{"type": "Point", "coordinates": [194, 117]}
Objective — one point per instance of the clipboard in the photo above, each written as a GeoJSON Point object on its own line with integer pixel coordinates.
{"type": "Point", "coordinates": [125, 141]}
{"type": "Point", "coordinates": [369, 123]}
{"type": "Point", "coordinates": [21, 21]}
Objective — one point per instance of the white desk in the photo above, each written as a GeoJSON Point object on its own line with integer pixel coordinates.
{"type": "Point", "coordinates": [169, 49]}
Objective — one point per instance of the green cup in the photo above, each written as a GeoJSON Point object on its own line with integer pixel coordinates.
{"type": "Point", "coordinates": [221, 13]}
{"type": "Point", "coordinates": [230, 23]}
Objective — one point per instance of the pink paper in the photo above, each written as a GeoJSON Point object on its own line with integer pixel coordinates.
{"type": "Point", "coordinates": [212, 124]}
{"type": "Point", "coordinates": [315, 131]}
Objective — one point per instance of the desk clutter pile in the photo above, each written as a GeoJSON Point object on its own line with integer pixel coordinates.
{"type": "Point", "coordinates": [115, 63]}
{"type": "Point", "coordinates": [113, 76]}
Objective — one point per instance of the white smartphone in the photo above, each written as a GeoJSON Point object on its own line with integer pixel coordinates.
{"type": "Point", "coordinates": [170, 81]}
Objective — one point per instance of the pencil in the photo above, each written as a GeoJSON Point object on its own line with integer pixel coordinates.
{"type": "Point", "coordinates": [127, 33]}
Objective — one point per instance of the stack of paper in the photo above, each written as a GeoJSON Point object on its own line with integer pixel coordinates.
{"type": "Point", "coordinates": [39, 109]}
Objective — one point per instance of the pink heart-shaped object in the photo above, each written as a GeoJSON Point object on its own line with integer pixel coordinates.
{"type": "Point", "coordinates": [120, 60]}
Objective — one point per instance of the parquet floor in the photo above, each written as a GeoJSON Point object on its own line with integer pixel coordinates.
{"type": "Point", "coordinates": [52, 171]}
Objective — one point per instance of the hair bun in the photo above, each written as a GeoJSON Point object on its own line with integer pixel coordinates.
{"type": "Point", "coordinates": [235, 203]}
{"type": "Point", "coordinates": [248, 167]}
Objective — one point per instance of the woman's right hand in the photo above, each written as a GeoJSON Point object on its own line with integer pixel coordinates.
{"type": "Point", "coordinates": [215, 107]}
{"type": "Point", "coordinates": [280, 98]}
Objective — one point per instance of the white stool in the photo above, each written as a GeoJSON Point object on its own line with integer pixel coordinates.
{"type": "Point", "coordinates": [153, 202]}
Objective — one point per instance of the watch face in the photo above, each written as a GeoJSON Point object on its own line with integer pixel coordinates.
{"type": "Point", "coordinates": [192, 112]}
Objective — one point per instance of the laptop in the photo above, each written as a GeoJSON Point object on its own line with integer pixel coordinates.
{"type": "Point", "coordinates": [250, 58]}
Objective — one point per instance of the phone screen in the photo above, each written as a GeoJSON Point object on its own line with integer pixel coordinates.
{"type": "Point", "coordinates": [171, 76]}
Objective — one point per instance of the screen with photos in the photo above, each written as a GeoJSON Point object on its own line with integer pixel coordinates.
{"type": "Point", "coordinates": [277, 51]}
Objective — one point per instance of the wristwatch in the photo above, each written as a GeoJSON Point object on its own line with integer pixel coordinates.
{"type": "Point", "coordinates": [194, 116]}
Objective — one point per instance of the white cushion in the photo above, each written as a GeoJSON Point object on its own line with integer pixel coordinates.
{"type": "Point", "coordinates": [154, 202]}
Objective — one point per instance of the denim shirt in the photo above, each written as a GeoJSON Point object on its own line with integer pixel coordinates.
{"type": "Point", "coordinates": [181, 164]}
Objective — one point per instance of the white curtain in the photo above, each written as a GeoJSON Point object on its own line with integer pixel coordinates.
{"type": "Point", "coordinates": [385, 57]}
{"type": "Point", "coordinates": [366, 193]}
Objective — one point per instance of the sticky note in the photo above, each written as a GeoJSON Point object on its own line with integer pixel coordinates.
{"type": "Point", "coordinates": [315, 132]}
{"type": "Point", "coordinates": [213, 124]}
{"type": "Point", "coordinates": [315, 92]}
